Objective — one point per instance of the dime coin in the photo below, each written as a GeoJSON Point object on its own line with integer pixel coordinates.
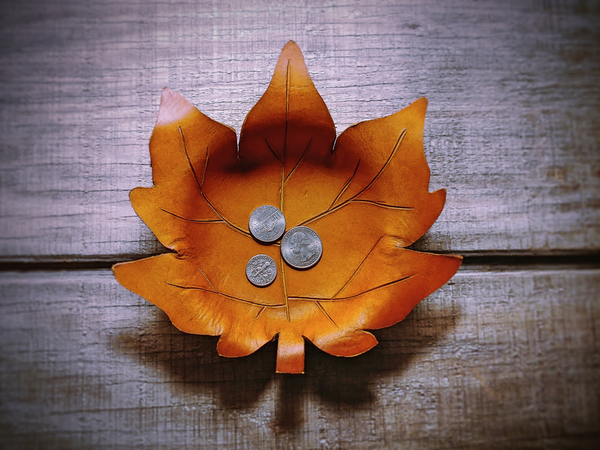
{"type": "Point", "coordinates": [261, 270]}
{"type": "Point", "coordinates": [266, 224]}
{"type": "Point", "coordinates": [301, 247]}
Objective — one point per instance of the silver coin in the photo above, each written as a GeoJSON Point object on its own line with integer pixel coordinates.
{"type": "Point", "coordinates": [301, 247]}
{"type": "Point", "coordinates": [266, 223]}
{"type": "Point", "coordinates": [261, 270]}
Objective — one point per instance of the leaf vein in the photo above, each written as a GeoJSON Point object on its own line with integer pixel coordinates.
{"type": "Point", "coordinates": [272, 151]}
{"type": "Point", "coordinates": [383, 205]}
{"type": "Point", "coordinates": [234, 227]}
{"type": "Point", "coordinates": [192, 220]}
{"type": "Point", "coordinates": [198, 288]}
{"type": "Point", "coordinates": [326, 313]}
{"type": "Point", "coordinates": [260, 312]}
{"type": "Point", "coordinates": [356, 270]}
{"type": "Point", "coordinates": [299, 161]}
{"type": "Point", "coordinates": [345, 185]}
{"type": "Point", "coordinates": [285, 292]}
{"type": "Point", "coordinates": [288, 71]}
{"type": "Point", "coordinates": [363, 190]}
{"type": "Point", "coordinates": [339, 299]}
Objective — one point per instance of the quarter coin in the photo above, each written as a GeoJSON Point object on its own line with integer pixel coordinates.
{"type": "Point", "coordinates": [261, 270]}
{"type": "Point", "coordinates": [301, 247]}
{"type": "Point", "coordinates": [266, 224]}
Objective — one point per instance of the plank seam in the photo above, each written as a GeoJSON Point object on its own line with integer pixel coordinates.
{"type": "Point", "coordinates": [476, 262]}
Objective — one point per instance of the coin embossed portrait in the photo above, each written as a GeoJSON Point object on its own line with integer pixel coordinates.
{"type": "Point", "coordinates": [261, 270]}
{"type": "Point", "coordinates": [266, 224]}
{"type": "Point", "coordinates": [301, 247]}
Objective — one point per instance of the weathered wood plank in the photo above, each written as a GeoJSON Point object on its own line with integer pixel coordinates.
{"type": "Point", "coordinates": [511, 130]}
{"type": "Point", "coordinates": [493, 360]}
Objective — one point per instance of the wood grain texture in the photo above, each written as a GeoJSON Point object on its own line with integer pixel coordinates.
{"type": "Point", "coordinates": [494, 360]}
{"type": "Point", "coordinates": [511, 130]}
{"type": "Point", "coordinates": [497, 359]}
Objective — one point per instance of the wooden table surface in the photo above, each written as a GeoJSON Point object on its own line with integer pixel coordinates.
{"type": "Point", "coordinates": [506, 355]}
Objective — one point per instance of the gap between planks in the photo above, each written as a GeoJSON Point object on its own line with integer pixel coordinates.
{"type": "Point", "coordinates": [475, 262]}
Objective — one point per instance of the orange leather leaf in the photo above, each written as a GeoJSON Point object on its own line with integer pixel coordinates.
{"type": "Point", "coordinates": [367, 198]}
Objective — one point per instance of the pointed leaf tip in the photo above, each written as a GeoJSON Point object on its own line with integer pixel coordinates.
{"type": "Point", "coordinates": [291, 51]}
{"type": "Point", "coordinates": [173, 107]}
{"type": "Point", "coordinates": [420, 104]}
{"type": "Point", "coordinates": [291, 44]}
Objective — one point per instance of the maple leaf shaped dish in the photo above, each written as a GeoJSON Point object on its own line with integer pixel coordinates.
{"type": "Point", "coordinates": [367, 198]}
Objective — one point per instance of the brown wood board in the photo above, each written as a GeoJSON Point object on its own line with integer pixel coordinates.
{"type": "Point", "coordinates": [491, 360]}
